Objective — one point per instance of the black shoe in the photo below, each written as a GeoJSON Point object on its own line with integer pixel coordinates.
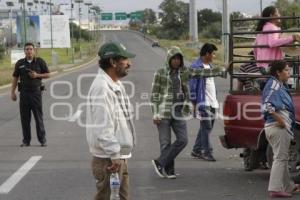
{"type": "Point", "coordinates": [43, 144]}
{"type": "Point", "coordinates": [171, 175]}
{"type": "Point", "coordinates": [158, 168]}
{"type": "Point", "coordinates": [25, 145]}
{"type": "Point", "coordinates": [196, 155]}
{"type": "Point", "coordinates": [208, 157]}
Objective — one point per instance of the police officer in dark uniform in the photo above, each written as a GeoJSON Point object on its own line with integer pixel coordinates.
{"type": "Point", "coordinates": [30, 71]}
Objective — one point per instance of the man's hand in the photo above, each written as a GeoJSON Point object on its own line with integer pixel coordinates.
{"type": "Point", "coordinates": [221, 71]}
{"type": "Point", "coordinates": [281, 124]}
{"type": "Point", "coordinates": [115, 166]}
{"type": "Point", "coordinates": [156, 121]}
{"type": "Point", "coordinates": [33, 74]}
{"type": "Point", "coordinates": [13, 96]}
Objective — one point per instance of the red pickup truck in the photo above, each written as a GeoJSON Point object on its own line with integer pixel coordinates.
{"type": "Point", "coordinates": [243, 121]}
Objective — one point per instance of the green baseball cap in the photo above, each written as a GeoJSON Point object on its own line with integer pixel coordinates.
{"type": "Point", "coordinates": [113, 49]}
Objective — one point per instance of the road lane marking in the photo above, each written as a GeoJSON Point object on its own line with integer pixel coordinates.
{"type": "Point", "coordinates": [75, 116]}
{"type": "Point", "coordinates": [14, 179]}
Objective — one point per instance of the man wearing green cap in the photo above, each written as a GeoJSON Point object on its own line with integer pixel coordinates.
{"type": "Point", "coordinates": [109, 129]}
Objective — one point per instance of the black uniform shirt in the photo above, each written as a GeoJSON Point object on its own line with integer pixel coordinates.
{"type": "Point", "coordinates": [22, 70]}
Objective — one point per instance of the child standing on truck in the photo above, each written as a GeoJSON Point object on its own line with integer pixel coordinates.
{"type": "Point", "coordinates": [279, 114]}
{"type": "Point", "coordinates": [273, 41]}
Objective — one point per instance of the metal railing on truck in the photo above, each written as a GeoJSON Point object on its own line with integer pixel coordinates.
{"type": "Point", "coordinates": [241, 58]}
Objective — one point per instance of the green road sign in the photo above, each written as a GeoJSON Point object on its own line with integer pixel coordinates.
{"type": "Point", "coordinates": [106, 16]}
{"type": "Point", "coordinates": [120, 16]}
{"type": "Point", "coordinates": [136, 15]}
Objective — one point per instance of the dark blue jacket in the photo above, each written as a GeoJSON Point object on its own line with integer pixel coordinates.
{"type": "Point", "coordinates": [197, 87]}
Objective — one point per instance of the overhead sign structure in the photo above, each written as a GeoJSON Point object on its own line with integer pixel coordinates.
{"type": "Point", "coordinates": [120, 16]}
{"type": "Point", "coordinates": [136, 15]}
{"type": "Point", "coordinates": [106, 16]}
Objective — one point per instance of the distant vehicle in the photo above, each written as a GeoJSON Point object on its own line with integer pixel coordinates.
{"type": "Point", "coordinates": [155, 44]}
{"type": "Point", "coordinates": [243, 121]}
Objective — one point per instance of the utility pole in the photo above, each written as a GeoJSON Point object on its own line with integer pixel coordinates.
{"type": "Point", "coordinates": [225, 31]}
{"type": "Point", "coordinates": [72, 37]}
{"type": "Point", "coordinates": [261, 6]}
{"type": "Point", "coordinates": [79, 16]}
{"type": "Point", "coordinates": [193, 21]}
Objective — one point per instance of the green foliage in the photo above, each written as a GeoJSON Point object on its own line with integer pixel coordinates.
{"type": "Point", "coordinates": [207, 17]}
{"type": "Point", "coordinates": [85, 35]}
{"type": "Point", "coordinates": [175, 19]}
{"type": "Point", "coordinates": [213, 31]}
{"type": "Point", "coordinates": [148, 16]}
{"type": "Point", "coordinates": [288, 8]}
{"type": "Point", "coordinates": [2, 51]}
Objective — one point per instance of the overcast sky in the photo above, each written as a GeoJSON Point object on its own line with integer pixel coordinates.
{"type": "Point", "coordinates": [245, 6]}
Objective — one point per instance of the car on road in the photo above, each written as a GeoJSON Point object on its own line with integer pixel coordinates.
{"type": "Point", "coordinates": [155, 44]}
{"type": "Point", "coordinates": [243, 121]}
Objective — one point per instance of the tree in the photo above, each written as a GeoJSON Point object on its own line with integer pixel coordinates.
{"type": "Point", "coordinates": [288, 8]}
{"type": "Point", "coordinates": [207, 17]}
{"type": "Point", "coordinates": [149, 16]}
{"type": "Point", "coordinates": [175, 19]}
{"type": "Point", "coordinates": [85, 35]}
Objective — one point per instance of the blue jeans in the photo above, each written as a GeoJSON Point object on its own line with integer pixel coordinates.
{"type": "Point", "coordinates": [170, 151]}
{"type": "Point", "coordinates": [202, 143]}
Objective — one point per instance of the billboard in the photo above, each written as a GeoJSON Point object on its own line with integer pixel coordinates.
{"type": "Point", "coordinates": [38, 31]}
{"type": "Point", "coordinates": [60, 31]}
{"type": "Point", "coordinates": [32, 27]}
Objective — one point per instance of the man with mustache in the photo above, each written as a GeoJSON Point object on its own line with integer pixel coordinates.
{"type": "Point", "coordinates": [109, 129]}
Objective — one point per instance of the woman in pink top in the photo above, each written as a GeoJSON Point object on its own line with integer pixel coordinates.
{"type": "Point", "coordinates": [273, 40]}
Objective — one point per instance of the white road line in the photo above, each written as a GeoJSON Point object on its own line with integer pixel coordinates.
{"type": "Point", "coordinates": [75, 116]}
{"type": "Point", "coordinates": [14, 179]}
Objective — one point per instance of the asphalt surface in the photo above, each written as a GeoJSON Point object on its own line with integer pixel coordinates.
{"type": "Point", "coordinates": [63, 172]}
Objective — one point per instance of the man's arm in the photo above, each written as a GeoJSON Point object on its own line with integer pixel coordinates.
{"type": "Point", "coordinates": [200, 73]}
{"type": "Point", "coordinates": [13, 88]}
{"type": "Point", "coordinates": [44, 71]}
{"type": "Point", "coordinates": [34, 75]}
{"type": "Point", "coordinates": [155, 97]}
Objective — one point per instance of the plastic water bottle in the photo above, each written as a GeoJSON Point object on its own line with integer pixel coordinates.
{"type": "Point", "coordinates": [114, 186]}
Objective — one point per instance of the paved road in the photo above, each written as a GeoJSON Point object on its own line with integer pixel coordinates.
{"type": "Point", "coordinates": [62, 172]}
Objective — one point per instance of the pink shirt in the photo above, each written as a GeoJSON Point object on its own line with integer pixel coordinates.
{"type": "Point", "coordinates": [274, 41]}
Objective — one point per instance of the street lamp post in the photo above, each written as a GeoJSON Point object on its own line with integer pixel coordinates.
{"type": "Point", "coordinates": [72, 36]}
{"type": "Point", "coordinates": [10, 4]}
{"type": "Point", "coordinates": [42, 6]}
{"type": "Point", "coordinates": [261, 6]}
{"type": "Point", "coordinates": [79, 22]}
{"type": "Point", "coordinates": [36, 6]}
{"type": "Point", "coordinates": [29, 4]}
{"type": "Point", "coordinates": [24, 19]}
{"type": "Point", "coordinates": [88, 4]}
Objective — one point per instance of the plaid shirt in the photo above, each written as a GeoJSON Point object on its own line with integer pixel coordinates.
{"type": "Point", "coordinates": [162, 94]}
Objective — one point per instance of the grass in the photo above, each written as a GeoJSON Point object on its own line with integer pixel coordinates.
{"type": "Point", "coordinates": [64, 57]}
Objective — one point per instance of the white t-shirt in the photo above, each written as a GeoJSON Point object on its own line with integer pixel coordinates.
{"type": "Point", "coordinates": [210, 91]}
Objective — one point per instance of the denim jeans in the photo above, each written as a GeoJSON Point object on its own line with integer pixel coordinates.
{"type": "Point", "coordinates": [170, 151]}
{"type": "Point", "coordinates": [203, 143]}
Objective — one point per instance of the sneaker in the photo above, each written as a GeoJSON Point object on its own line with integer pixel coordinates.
{"type": "Point", "coordinates": [196, 155]}
{"type": "Point", "coordinates": [171, 175]}
{"type": "Point", "coordinates": [25, 145]}
{"type": "Point", "coordinates": [273, 194]}
{"type": "Point", "coordinates": [158, 168]}
{"type": "Point", "coordinates": [208, 158]}
{"type": "Point", "coordinates": [43, 144]}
